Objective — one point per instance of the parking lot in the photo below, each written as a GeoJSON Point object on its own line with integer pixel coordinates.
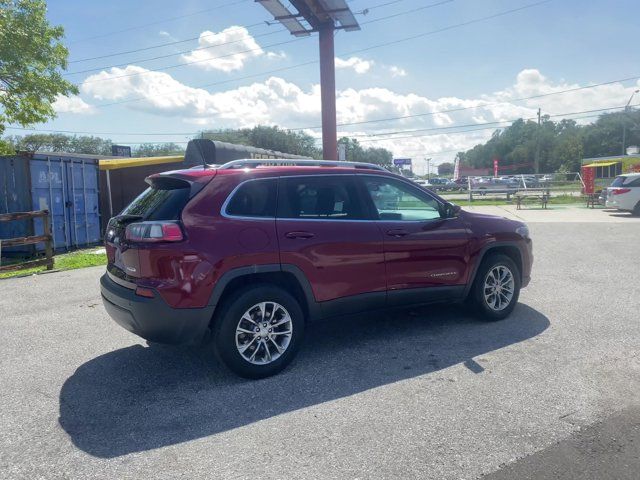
{"type": "Point", "coordinates": [431, 393]}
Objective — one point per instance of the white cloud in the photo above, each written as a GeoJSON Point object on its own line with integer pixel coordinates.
{"type": "Point", "coordinates": [358, 64]}
{"type": "Point", "coordinates": [165, 34]}
{"type": "Point", "coordinates": [72, 104]}
{"type": "Point", "coordinates": [397, 71]}
{"type": "Point", "coordinates": [277, 101]}
{"type": "Point", "coordinates": [226, 51]}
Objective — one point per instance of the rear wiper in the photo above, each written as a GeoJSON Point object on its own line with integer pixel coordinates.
{"type": "Point", "coordinates": [126, 218]}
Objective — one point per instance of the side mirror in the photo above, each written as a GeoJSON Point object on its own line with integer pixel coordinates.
{"type": "Point", "coordinates": [451, 210]}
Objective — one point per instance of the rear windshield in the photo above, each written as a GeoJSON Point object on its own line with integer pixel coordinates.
{"type": "Point", "coordinates": [618, 181]}
{"type": "Point", "coordinates": [159, 204]}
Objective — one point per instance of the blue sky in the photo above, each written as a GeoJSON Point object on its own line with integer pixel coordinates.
{"type": "Point", "coordinates": [559, 45]}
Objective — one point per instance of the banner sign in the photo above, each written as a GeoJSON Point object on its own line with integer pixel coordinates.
{"type": "Point", "coordinates": [399, 162]}
{"type": "Point", "coordinates": [120, 151]}
{"type": "Point", "coordinates": [456, 170]}
{"type": "Point", "coordinates": [495, 167]}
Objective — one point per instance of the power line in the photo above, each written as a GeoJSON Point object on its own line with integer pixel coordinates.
{"type": "Point", "coordinates": [138, 27]}
{"type": "Point", "coordinates": [168, 67]}
{"type": "Point", "coordinates": [251, 50]}
{"type": "Point", "coordinates": [166, 44]}
{"type": "Point", "coordinates": [460, 109]}
{"type": "Point", "coordinates": [476, 124]}
{"type": "Point", "coordinates": [483, 125]}
{"type": "Point", "coordinates": [311, 62]}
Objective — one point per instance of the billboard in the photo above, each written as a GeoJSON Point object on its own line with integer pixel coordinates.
{"type": "Point", "coordinates": [400, 162]}
{"type": "Point", "coordinates": [120, 151]}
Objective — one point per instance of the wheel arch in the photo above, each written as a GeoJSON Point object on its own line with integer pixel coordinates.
{"type": "Point", "coordinates": [288, 277]}
{"type": "Point", "coordinates": [509, 249]}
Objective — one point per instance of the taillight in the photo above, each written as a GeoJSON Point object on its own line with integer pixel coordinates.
{"type": "Point", "coordinates": [154, 232]}
{"type": "Point", "coordinates": [618, 191]}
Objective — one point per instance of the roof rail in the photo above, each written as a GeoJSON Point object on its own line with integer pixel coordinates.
{"type": "Point", "coordinates": [294, 162]}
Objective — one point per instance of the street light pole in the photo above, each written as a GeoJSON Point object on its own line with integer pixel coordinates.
{"type": "Point", "coordinates": [624, 124]}
{"type": "Point", "coordinates": [428, 170]}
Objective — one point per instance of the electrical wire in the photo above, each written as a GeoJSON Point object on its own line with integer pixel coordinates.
{"type": "Point", "coordinates": [170, 19]}
{"type": "Point", "coordinates": [248, 27]}
{"type": "Point", "coordinates": [291, 67]}
{"type": "Point", "coordinates": [251, 50]}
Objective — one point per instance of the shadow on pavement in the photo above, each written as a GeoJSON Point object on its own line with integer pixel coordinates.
{"type": "Point", "coordinates": [139, 398]}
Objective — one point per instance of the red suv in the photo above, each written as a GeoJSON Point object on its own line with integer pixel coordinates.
{"type": "Point", "coordinates": [247, 253]}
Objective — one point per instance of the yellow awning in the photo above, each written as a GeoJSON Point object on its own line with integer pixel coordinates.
{"type": "Point", "coordinates": [602, 164]}
{"type": "Point", "coordinates": [116, 163]}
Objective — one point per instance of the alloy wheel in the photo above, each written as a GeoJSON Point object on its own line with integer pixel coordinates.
{"type": "Point", "coordinates": [263, 333]}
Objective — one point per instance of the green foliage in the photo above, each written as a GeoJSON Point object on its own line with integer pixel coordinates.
{"type": "Point", "coordinates": [62, 143]}
{"type": "Point", "coordinates": [356, 153]}
{"type": "Point", "coordinates": [271, 138]}
{"type": "Point", "coordinates": [7, 147]}
{"type": "Point", "coordinates": [445, 168]}
{"type": "Point", "coordinates": [157, 150]}
{"type": "Point", "coordinates": [31, 56]}
{"type": "Point", "coordinates": [561, 144]}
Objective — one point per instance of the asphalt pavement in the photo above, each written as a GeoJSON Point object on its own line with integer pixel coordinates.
{"type": "Point", "coordinates": [429, 394]}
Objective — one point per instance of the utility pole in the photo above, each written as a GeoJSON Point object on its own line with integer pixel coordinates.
{"type": "Point", "coordinates": [428, 169]}
{"type": "Point", "coordinates": [328, 92]}
{"type": "Point", "coordinates": [537, 160]}
{"type": "Point", "coordinates": [624, 124]}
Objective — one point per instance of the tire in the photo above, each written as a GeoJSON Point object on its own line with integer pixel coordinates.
{"type": "Point", "coordinates": [478, 300]}
{"type": "Point", "coordinates": [636, 210]}
{"type": "Point", "coordinates": [267, 359]}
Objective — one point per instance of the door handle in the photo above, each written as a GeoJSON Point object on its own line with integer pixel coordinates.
{"type": "Point", "coordinates": [397, 232]}
{"type": "Point", "coordinates": [300, 235]}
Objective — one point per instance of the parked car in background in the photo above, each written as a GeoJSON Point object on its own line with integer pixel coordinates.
{"type": "Point", "coordinates": [442, 184]}
{"type": "Point", "coordinates": [624, 193]}
{"type": "Point", "coordinates": [494, 184]}
{"type": "Point", "coordinates": [246, 254]}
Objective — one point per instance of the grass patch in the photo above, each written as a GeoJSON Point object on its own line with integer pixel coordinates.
{"type": "Point", "coordinates": [66, 261]}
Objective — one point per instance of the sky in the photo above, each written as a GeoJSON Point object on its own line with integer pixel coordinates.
{"type": "Point", "coordinates": [422, 78]}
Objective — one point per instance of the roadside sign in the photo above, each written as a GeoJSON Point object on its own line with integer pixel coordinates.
{"type": "Point", "coordinates": [399, 162]}
{"type": "Point", "coordinates": [120, 151]}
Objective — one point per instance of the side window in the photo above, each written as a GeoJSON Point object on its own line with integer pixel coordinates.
{"type": "Point", "coordinates": [255, 198]}
{"type": "Point", "coordinates": [319, 197]}
{"type": "Point", "coordinates": [397, 201]}
{"type": "Point", "coordinates": [635, 183]}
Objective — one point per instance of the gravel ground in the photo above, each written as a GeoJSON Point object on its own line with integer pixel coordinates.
{"type": "Point", "coordinates": [429, 394]}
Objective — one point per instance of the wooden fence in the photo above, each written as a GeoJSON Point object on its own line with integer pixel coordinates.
{"type": "Point", "coordinates": [14, 242]}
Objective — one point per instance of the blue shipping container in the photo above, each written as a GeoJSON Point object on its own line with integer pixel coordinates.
{"type": "Point", "coordinates": [64, 184]}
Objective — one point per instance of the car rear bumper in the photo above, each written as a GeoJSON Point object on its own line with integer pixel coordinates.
{"type": "Point", "coordinates": [151, 318]}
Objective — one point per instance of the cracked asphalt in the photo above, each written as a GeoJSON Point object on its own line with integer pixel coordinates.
{"type": "Point", "coordinates": [432, 393]}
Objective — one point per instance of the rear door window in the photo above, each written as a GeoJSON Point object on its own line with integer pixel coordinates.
{"type": "Point", "coordinates": [159, 203]}
{"type": "Point", "coordinates": [255, 198]}
{"type": "Point", "coordinates": [330, 197]}
{"type": "Point", "coordinates": [618, 181]}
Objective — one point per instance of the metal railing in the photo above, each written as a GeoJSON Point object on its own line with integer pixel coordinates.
{"type": "Point", "coordinates": [46, 238]}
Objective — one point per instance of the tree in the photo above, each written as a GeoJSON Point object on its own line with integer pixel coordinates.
{"type": "Point", "coordinates": [445, 168]}
{"type": "Point", "coordinates": [355, 153]}
{"type": "Point", "coordinates": [31, 56]}
{"type": "Point", "coordinates": [270, 138]}
{"type": "Point", "coordinates": [158, 150]}
{"type": "Point", "coordinates": [57, 142]}
{"type": "Point", "coordinates": [562, 145]}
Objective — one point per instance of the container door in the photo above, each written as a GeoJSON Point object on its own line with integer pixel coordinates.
{"type": "Point", "coordinates": [82, 203]}
{"type": "Point", "coordinates": [48, 193]}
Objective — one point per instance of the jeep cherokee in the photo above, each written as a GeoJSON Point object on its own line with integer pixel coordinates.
{"type": "Point", "coordinates": [246, 253]}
